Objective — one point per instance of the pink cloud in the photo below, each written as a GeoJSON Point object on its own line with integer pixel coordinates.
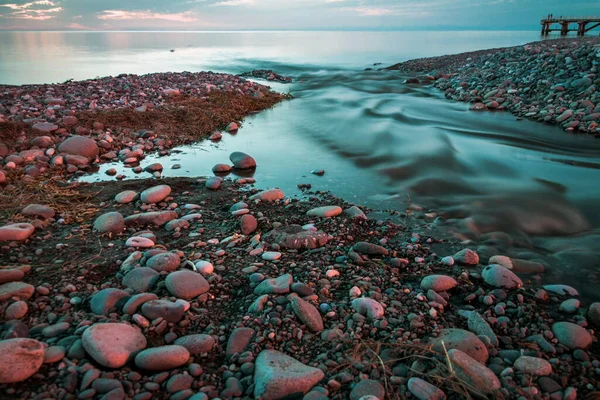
{"type": "Point", "coordinates": [129, 15]}
{"type": "Point", "coordinates": [77, 26]}
{"type": "Point", "coordinates": [29, 5]}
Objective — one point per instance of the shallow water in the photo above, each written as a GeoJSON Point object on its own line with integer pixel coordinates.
{"type": "Point", "coordinates": [384, 143]}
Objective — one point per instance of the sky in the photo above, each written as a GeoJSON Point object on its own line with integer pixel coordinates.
{"type": "Point", "coordinates": [284, 14]}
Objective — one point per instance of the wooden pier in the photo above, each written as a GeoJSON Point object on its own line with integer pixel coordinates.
{"type": "Point", "coordinates": [584, 24]}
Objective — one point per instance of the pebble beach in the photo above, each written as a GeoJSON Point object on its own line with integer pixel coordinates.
{"type": "Point", "coordinates": [206, 288]}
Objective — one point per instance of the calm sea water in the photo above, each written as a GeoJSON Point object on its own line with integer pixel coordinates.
{"type": "Point", "coordinates": [382, 143]}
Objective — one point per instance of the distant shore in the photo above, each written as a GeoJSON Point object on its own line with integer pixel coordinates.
{"type": "Point", "coordinates": [553, 81]}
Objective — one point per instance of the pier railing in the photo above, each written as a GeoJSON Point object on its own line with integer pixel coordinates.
{"type": "Point", "coordinates": [584, 24]}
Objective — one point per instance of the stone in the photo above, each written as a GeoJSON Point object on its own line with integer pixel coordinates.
{"type": "Point", "coordinates": [278, 376]}
{"type": "Point", "coordinates": [38, 210]}
{"type": "Point", "coordinates": [248, 224]}
{"type": "Point", "coordinates": [112, 222]}
{"type": "Point", "coordinates": [307, 313]}
{"type": "Point", "coordinates": [139, 242]}
{"type": "Point", "coordinates": [106, 299]}
{"type": "Point", "coordinates": [155, 194]}
{"type": "Point", "coordinates": [204, 267]}
{"type": "Point", "coordinates": [56, 329]}
{"type": "Point", "coordinates": [157, 218]}
{"type": "Point", "coordinates": [466, 257]}
{"type": "Point", "coordinates": [368, 307]}
{"type": "Point", "coordinates": [196, 344]}
{"type": "Point", "coordinates": [125, 197]}
{"type": "Point", "coordinates": [232, 127]}
{"type": "Point", "coordinates": [169, 310]}
{"type": "Point", "coordinates": [480, 377]}
{"type": "Point", "coordinates": [462, 340]}
{"type": "Point", "coordinates": [54, 354]}
{"type": "Point", "coordinates": [16, 310]}
{"type": "Point", "coordinates": [423, 390]}
{"type": "Point", "coordinates": [370, 249]}
{"type": "Point", "coordinates": [572, 335]}
{"type": "Point", "coordinates": [136, 301]}
{"type": "Point", "coordinates": [21, 358]}
{"type": "Point", "coordinates": [79, 146]}
{"type": "Point", "coordinates": [271, 255]}
{"type": "Point", "coordinates": [113, 345]}
{"type": "Point", "coordinates": [570, 306]}
{"type": "Point", "coordinates": [141, 279]}
{"type": "Point", "coordinates": [11, 275]}
{"type": "Point", "coordinates": [239, 340]}
{"type": "Point", "coordinates": [280, 285]}
{"type": "Point", "coordinates": [177, 224]}
{"type": "Point", "coordinates": [179, 382]}
{"type": "Point", "coordinates": [162, 358]}
{"type": "Point", "coordinates": [478, 325]}
{"type": "Point", "coordinates": [533, 366]}
{"type": "Point", "coordinates": [45, 127]}
{"type": "Point", "coordinates": [438, 283]}
{"type": "Point", "coordinates": [20, 290]}
{"type": "Point", "coordinates": [242, 160]}
{"type": "Point", "coordinates": [593, 314]}
{"type": "Point", "coordinates": [221, 168]}
{"type": "Point", "coordinates": [355, 213]}
{"type": "Point", "coordinates": [327, 211]}
{"type": "Point", "coordinates": [506, 262]}
{"type": "Point", "coordinates": [213, 183]}
{"type": "Point", "coordinates": [268, 195]}
{"type": "Point", "coordinates": [43, 142]}
{"type": "Point", "coordinates": [296, 238]}
{"type": "Point", "coordinates": [16, 232]}
{"type": "Point", "coordinates": [186, 284]}
{"type": "Point", "coordinates": [563, 290]}
{"type": "Point", "coordinates": [366, 388]}
{"type": "Point", "coordinates": [154, 167]}
{"type": "Point", "coordinates": [500, 277]}
{"type": "Point", "coordinates": [164, 262]}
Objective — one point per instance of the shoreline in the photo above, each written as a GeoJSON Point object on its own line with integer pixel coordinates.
{"type": "Point", "coordinates": [552, 81]}
{"type": "Point", "coordinates": [359, 304]}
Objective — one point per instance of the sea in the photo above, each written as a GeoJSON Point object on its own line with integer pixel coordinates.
{"type": "Point", "coordinates": [527, 189]}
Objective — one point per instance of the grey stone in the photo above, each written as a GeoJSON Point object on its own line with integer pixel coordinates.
{"type": "Point", "coordinates": [307, 313]}
{"type": "Point", "coordinates": [110, 222]}
{"type": "Point", "coordinates": [242, 160]}
{"type": "Point", "coordinates": [498, 276]}
{"type": "Point", "coordinates": [186, 284]}
{"type": "Point", "coordinates": [438, 283]}
{"type": "Point", "coordinates": [370, 249]}
{"type": "Point", "coordinates": [462, 340]}
{"type": "Point", "coordinates": [196, 344]}
{"type": "Point", "coordinates": [423, 390]}
{"type": "Point", "coordinates": [571, 335]}
{"type": "Point", "coordinates": [106, 299]}
{"type": "Point", "coordinates": [162, 358]}
{"type": "Point", "coordinates": [164, 262]}
{"type": "Point", "coordinates": [21, 358]}
{"type": "Point", "coordinates": [141, 279]}
{"type": "Point", "coordinates": [80, 146]}
{"type": "Point", "coordinates": [280, 285]}
{"type": "Point", "coordinates": [473, 372]}
{"type": "Point", "coordinates": [113, 344]}
{"type": "Point", "coordinates": [294, 237]}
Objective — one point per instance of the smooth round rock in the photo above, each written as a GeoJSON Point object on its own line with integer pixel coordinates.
{"type": "Point", "coordinates": [80, 146]}
{"type": "Point", "coordinates": [368, 307]}
{"type": "Point", "coordinates": [307, 313]}
{"type": "Point", "coordinates": [16, 310]}
{"type": "Point", "coordinates": [162, 358]}
{"type": "Point", "coordinates": [327, 211]}
{"type": "Point", "coordinates": [141, 279]}
{"type": "Point", "coordinates": [112, 222]}
{"type": "Point", "coordinates": [248, 224]}
{"type": "Point", "coordinates": [164, 262]}
{"type": "Point", "coordinates": [169, 310]}
{"type": "Point", "coordinates": [473, 372]}
{"type": "Point", "coordinates": [155, 194]}
{"type": "Point", "coordinates": [221, 168]}
{"type": "Point", "coordinates": [16, 232]}
{"type": "Point", "coordinates": [139, 242]}
{"type": "Point", "coordinates": [106, 299]}
{"type": "Point", "coordinates": [500, 277]}
{"type": "Point", "coordinates": [466, 257]}
{"type": "Point", "coordinates": [196, 344]}
{"type": "Point", "coordinates": [21, 358]}
{"type": "Point", "coordinates": [213, 183]}
{"type": "Point", "coordinates": [572, 335]}
{"type": "Point", "coordinates": [594, 314]}
{"type": "Point", "coordinates": [461, 340]}
{"type": "Point", "coordinates": [11, 275]}
{"type": "Point", "coordinates": [45, 127]}
{"type": "Point", "coordinates": [268, 195]}
{"type": "Point", "coordinates": [242, 160]}
{"type": "Point", "coordinates": [367, 387]}
{"type": "Point", "coordinates": [112, 344]}
{"type": "Point", "coordinates": [533, 366]}
{"type": "Point", "coordinates": [20, 290]}
{"type": "Point", "coordinates": [423, 390]}
{"type": "Point", "coordinates": [438, 283]}
{"type": "Point", "coordinates": [54, 354]}
{"type": "Point", "coordinates": [38, 210]}
{"type": "Point", "coordinates": [186, 284]}
{"type": "Point", "coordinates": [125, 197]}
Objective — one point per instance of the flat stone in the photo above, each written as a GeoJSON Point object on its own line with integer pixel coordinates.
{"type": "Point", "coordinates": [277, 376]}
{"type": "Point", "coordinates": [169, 310]}
{"type": "Point", "coordinates": [162, 358]}
{"type": "Point", "coordinates": [242, 160]}
{"type": "Point", "coordinates": [355, 213]}
{"type": "Point", "coordinates": [480, 377]}
{"type": "Point", "coordinates": [164, 262]}
{"type": "Point", "coordinates": [271, 255]}
{"type": "Point", "coordinates": [294, 237]}
{"type": "Point", "coordinates": [268, 195]}
{"type": "Point", "coordinates": [112, 344]}
{"type": "Point", "coordinates": [38, 210]}
{"type": "Point", "coordinates": [56, 329]}
{"type": "Point", "coordinates": [572, 335]}
{"type": "Point", "coordinates": [43, 142]}
{"type": "Point", "coordinates": [180, 382]}
{"type": "Point", "coordinates": [112, 222]}
{"type": "Point", "coordinates": [54, 354]}
{"type": "Point", "coordinates": [21, 358]}
{"type": "Point", "coordinates": [157, 218]}
{"type": "Point", "coordinates": [533, 366]}
{"type": "Point", "coordinates": [462, 340]}
{"type": "Point", "coordinates": [423, 390]}
{"type": "Point", "coordinates": [280, 285]}
{"type": "Point", "coordinates": [125, 197]}
{"type": "Point", "coordinates": [11, 275]}
{"type": "Point", "coordinates": [155, 194]}
{"type": "Point", "coordinates": [500, 277]}
{"type": "Point", "coordinates": [186, 284]}
{"type": "Point", "coordinates": [307, 313]}
{"type": "Point", "coordinates": [16, 232]}
{"type": "Point", "coordinates": [438, 283]}
{"type": "Point", "coordinates": [478, 325]}
{"type": "Point", "coordinates": [197, 344]}
{"type": "Point", "coordinates": [368, 307]}
{"type": "Point", "coordinates": [248, 224]}
{"type": "Point", "coordinates": [466, 257]}
{"type": "Point", "coordinates": [141, 279]}
{"type": "Point", "coordinates": [239, 340]}
{"type": "Point", "coordinates": [326, 211]}
{"type": "Point", "coordinates": [570, 306]}
{"type": "Point", "coordinates": [45, 127]}
{"type": "Point", "coordinates": [20, 290]}
{"type": "Point", "coordinates": [106, 299]}
{"type": "Point", "coordinates": [563, 290]}
{"type": "Point", "coordinates": [136, 301]}
{"type": "Point", "coordinates": [370, 249]}
{"type": "Point", "coordinates": [366, 388]}
{"type": "Point", "coordinates": [80, 146]}
{"type": "Point", "coordinates": [220, 168]}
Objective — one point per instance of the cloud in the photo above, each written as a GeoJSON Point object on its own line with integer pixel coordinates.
{"type": "Point", "coordinates": [136, 15]}
{"type": "Point", "coordinates": [232, 3]}
{"type": "Point", "coordinates": [77, 26]}
{"type": "Point", "coordinates": [25, 6]}
{"type": "Point", "coordinates": [32, 10]}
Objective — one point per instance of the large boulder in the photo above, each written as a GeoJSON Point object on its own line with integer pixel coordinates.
{"type": "Point", "coordinates": [21, 358]}
{"type": "Point", "coordinates": [79, 146]}
{"type": "Point", "coordinates": [113, 344]}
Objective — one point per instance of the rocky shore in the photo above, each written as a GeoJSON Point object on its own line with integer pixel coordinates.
{"type": "Point", "coordinates": [553, 81]}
